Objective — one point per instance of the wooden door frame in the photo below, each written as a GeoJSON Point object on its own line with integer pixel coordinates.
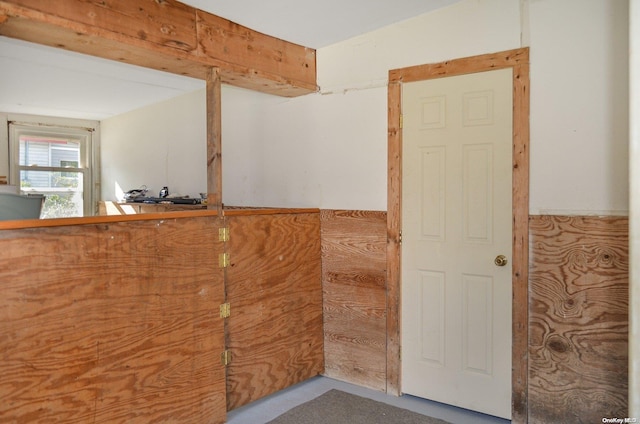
{"type": "Point", "coordinates": [518, 61]}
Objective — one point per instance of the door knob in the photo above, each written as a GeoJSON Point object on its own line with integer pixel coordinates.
{"type": "Point", "coordinates": [500, 260]}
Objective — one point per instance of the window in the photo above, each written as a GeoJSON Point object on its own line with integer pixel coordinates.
{"type": "Point", "coordinates": [54, 161]}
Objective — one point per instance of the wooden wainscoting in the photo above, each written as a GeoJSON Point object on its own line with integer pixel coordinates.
{"type": "Point", "coordinates": [578, 332]}
{"type": "Point", "coordinates": [578, 299]}
{"type": "Point", "coordinates": [354, 289]}
{"type": "Point", "coordinates": [112, 322]}
{"type": "Point", "coordinates": [274, 288]}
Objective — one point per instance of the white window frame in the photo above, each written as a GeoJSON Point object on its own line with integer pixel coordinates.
{"type": "Point", "coordinates": [87, 132]}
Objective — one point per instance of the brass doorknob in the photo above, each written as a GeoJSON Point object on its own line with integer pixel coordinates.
{"type": "Point", "coordinates": [500, 260]}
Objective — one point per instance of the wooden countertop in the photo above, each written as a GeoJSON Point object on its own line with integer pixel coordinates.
{"type": "Point", "coordinates": [105, 219]}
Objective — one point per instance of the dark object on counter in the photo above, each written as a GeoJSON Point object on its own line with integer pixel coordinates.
{"type": "Point", "coordinates": [174, 200]}
{"type": "Point", "coordinates": [164, 192]}
{"type": "Point", "coordinates": [142, 191]}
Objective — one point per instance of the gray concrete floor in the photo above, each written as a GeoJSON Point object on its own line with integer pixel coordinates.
{"type": "Point", "coordinates": [264, 410]}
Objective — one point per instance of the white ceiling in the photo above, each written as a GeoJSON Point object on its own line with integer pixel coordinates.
{"type": "Point", "coordinates": [39, 80]}
{"type": "Point", "coordinates": [317, 23]}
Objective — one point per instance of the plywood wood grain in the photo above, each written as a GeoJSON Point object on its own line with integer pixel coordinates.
{"type": "Point", "coordinates": [578, 319]}
{"type": "Point", "coordinates": [274, 288]}
{"type": "Point", "coordinates": [112, 323]}
{"type": "Point", "coordinates": [354, 287]}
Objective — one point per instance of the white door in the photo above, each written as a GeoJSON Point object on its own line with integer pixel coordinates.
{"type": "Point", "coordinates": [456, 222]}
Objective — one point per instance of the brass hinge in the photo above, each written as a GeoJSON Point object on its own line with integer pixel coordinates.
{"type": "Point", "coordinates": [223, 234]}
{"type": "Point", "coordinates": [223, 260]}
{"type": "Point", "coordinates": [225, 357]}
{"type": "Point", "coordinates": [400, 237]}
{"type": "Point", "coordinates": [401, 121]}
{"type": "Point", "coordinates": [225, 310]}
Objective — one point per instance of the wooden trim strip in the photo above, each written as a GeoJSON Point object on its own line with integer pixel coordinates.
{"type": "Point", "coordinates": [518, 60]}
{"type": "Point", "coordinates": [394, 225]}
{"type": "Point", "coordinates": [108, 219]}
{"type": "Point", "coordinates": [450, 68]}
{"type": "Point", "coordinates": [102, 219]}
{"type": "Point", "coordinates": [267, 211]}
{"type": "Point", "coordinates": [520, 254]}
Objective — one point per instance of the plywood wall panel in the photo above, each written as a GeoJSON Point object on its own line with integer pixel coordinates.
{"type": "Point", "coordinates": [113, 322]}
{"type": "Point", "coordinates": [354, 288]}
{"type": "Point", "coordinates": [274, 288]}
{"type": "Point", "coordinates": [578, 337]}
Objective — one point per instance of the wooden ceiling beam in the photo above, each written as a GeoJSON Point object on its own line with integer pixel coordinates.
{"type": "Point", "coordinates": [165, 35]}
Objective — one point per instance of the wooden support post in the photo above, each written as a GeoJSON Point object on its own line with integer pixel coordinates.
{"type": "Point", "coordinates": [214, 140]}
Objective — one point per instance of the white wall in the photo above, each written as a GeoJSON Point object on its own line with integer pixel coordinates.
{"type": "Point", "coordinates": [579, 106]}
{"type": "Point", "coordinates": [329, 150]}
{"type": "Point", "coordinates": [634, 216]}
{"type": "Point", "coordinates": [313, 151]}
{"type": "Point", "coordinates": [467, 28]}
{"type": "Point", "coordinates": [159, 145]}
